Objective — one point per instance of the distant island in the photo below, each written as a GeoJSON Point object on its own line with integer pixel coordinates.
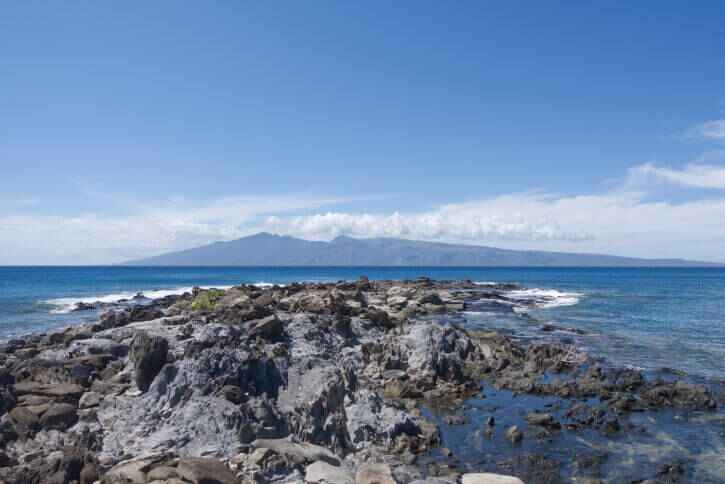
{"type": "Point", "coordinates": [264, 249]}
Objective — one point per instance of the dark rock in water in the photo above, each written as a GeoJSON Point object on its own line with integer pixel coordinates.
{"type": "Point", "coordinates": [81, 306]}
{"type": "Point", "coordinates": [455, 420]}
{"type": "Point", "coordinates": [149, 355]}
{"type": "Point", "coordinates": [680, 393]}
{"type": "Point", "coordinates": [542, 419]}
{"type": "Point", "coordinates": [548, 327]}
{"type": "Point", "coordinates": [514, 434]}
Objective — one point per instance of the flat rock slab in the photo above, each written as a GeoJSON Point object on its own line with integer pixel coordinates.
{"type": "Point", "coordinates": [200, 470]}
{"type": "Point", "coordinates": [298, 453]}
{"type": "Point", "coordinates": [68, 392]}
{"type": "Point", "coordinates": [374, 474]}
{"type": "Point", "coordinates": [324, 473]}
{"type": "Point", "coordinates": [488, 478]}
{"type": "Point", "coordinates": [132, 471]}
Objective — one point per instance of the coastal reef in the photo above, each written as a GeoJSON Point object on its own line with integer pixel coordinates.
{"type": "Point", "coordinates": [331, 383]}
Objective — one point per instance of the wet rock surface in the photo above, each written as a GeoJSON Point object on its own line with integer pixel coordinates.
{"type": "Point", "coordinates": [363, 381]}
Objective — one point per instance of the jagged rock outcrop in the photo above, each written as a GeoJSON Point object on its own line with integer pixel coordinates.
{"type": "Point", "coordinates": [315, 381]}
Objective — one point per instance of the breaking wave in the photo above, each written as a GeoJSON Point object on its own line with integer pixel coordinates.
{"type": "Point", "coordinates": [544, 298]}
{"type": "Point", "coordinates": [65, 305]}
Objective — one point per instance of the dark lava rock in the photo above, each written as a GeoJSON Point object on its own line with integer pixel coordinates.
{"type": "Point", "coordinates": [81, 306]}
{"type": "Point", "coordinates": [60, 416]}
{"type": "Point", "coordinates": [542, 419]}
{"type": "Point", "coordinates": [115, 319]}
{"type": "Point", "coordinates": [149, 356]}
{"type": "Point", "coordinates": [233, 393]}
{"type": "Point", "coordinates": [89, 474]}
{"type": "Point", "coordinates": [379, 317]}
{"type": "Point", "coordinates": [681, 394]}
{"type": "Point", "coordinates": [269, 328]}
{"type": "Point", "coordinates": [7, 399]}
{"type": "Point", "coordinates": [454, 420]}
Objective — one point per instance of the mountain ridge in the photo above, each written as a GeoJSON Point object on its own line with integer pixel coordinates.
{"type": "Point", "coordinates": [266, 249]}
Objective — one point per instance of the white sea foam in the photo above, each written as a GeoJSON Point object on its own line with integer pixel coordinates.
{"type": "Point", "coordinates": [545, 298]}
{"type": "Point", "coordinates": [265, 284]}
{"type": "Point", "coordinates": [64, 305]}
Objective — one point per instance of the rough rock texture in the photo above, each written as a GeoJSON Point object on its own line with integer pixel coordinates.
{"type": "Point", "coordinates": [148, 354]}
{"type": "Point", "coordinates": [316, 382]}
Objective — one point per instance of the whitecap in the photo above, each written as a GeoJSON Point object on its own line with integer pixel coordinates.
{"type": "Point", "coordinates": [545, 298]}
{"type": "Point", "coordinates": [66, 305]}
{"type": "Point", "coordinates": [263, 284]}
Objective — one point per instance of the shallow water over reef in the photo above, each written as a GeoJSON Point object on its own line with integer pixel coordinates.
{"type": "Point", "coordinates": [649, 445]}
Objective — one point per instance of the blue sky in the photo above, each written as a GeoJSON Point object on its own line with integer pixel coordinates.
{"type": "Point", "coordinates": [129, 129]}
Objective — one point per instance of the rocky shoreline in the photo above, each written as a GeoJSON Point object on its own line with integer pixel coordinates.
{"type": "Point", "coordinates": [321, 383]}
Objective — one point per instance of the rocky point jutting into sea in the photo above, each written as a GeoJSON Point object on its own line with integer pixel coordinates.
{"type": "Point", "coordinates": [337, 383]}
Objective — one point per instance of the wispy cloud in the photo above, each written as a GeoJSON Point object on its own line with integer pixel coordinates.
{"type": "Point", "coordinates": [714, 130]}
{"type": "Point", "coordinates": [692, 175]}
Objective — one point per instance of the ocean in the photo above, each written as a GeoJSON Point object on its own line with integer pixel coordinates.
{"type": "Point", "coordinates": [647, 318]}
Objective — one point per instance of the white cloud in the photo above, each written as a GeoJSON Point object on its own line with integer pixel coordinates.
{"type": "Point", "coordinates": [622, 223]}
{"type": "Point", "coordinates": [714, 130]}
{"type": "Point", "coordinates": [500, 219]}
{"type": "Point", "coordinates": [92, 238]}
{"type": "Point", "coordinates": [692, 175]}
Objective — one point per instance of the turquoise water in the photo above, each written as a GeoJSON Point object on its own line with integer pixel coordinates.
{"type": "Point", "coordinates": [648, 318]}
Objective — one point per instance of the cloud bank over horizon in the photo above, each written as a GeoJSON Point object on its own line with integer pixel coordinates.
{"type": "Point", "coordinates": [625, 220]}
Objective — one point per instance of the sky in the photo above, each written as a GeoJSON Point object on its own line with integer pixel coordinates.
{"type": "Point", "coordinates": [129, 129]}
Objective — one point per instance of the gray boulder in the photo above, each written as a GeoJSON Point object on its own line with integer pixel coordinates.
{"type": "Point", "coordinates": [200, 470]}
{"type": "Point", "coordinates": [323, 473]}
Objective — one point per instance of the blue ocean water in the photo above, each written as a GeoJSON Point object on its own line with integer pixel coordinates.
{"type": "Point", "coordinates": [643, 317]}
